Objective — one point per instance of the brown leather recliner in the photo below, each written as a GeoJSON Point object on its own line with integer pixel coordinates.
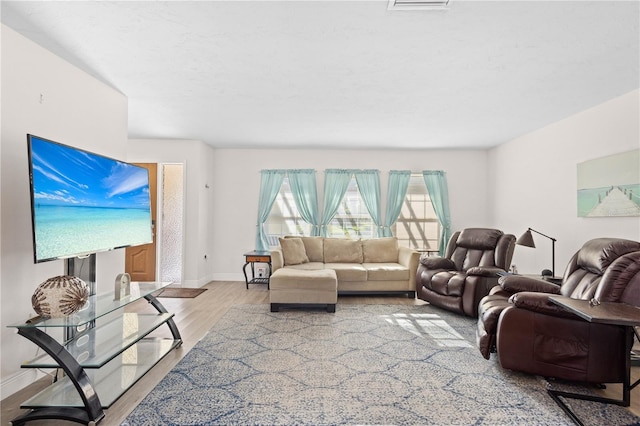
{"type": "Point", "coordinates": [536, 336]}
{"type": "Point", "coordinates": [468, 271]}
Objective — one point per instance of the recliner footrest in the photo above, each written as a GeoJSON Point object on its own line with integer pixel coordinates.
{"type": "Point", "coordinates": [489, 311]}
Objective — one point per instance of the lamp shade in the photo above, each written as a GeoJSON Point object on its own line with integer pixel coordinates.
{"type": "Point", "coordinates": [526, 239]}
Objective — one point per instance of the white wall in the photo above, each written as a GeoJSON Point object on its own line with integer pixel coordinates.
{"type": "Point", "coordinates": [534, 181]}
{"type": "Point", "coordinates": [1, 292]}
{"type": "Point", "coordinates": [197, 158]}
{"type": "Point", "coordinates": [77, 110]}
{"type": "Point", "coordinates": [236, 184]}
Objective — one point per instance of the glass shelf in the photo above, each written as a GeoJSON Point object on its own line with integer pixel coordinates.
{"type": "Point", "coordinates": [110, 381]}
{"type": "Point", "coordinates": [97, 306]}
{"type": "Point", "coordinates": [100, 345]}
{"type": "Point", "coordinates": [106, 358]}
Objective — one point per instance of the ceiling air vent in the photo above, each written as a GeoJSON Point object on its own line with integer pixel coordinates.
{"type": "Point", "coordinates": [417, 4]}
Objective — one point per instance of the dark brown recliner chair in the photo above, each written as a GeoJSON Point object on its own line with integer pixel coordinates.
{"type": "Point", "coordinates": [468, 271]}
{"type": "Point", "coordinates": [536, 336]}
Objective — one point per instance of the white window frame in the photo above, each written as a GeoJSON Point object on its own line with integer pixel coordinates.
{"type": "Point", "coordinates": [352, 220]}
{"type": "Point", "coordinates": [421, 228]}
{"type": "Point", "coordinates": [284, 217]}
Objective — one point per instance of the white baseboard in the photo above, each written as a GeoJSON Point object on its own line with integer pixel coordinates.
{"type": "Point", "coordinates": [228, 277]}
{"type": "Point", "coordinates": [197, 283]}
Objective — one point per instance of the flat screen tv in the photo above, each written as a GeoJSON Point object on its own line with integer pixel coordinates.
{"type": "Point", "coordinates": [83, 203]}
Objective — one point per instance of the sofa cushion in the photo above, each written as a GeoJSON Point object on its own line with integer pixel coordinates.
{"type": "Point", "coordinates": [380, 250]}
{"type": "Point", "coordinates": [448, 283]}
{"type": "Point", "coordinates": [287, 278]}
{"type": "Point", "coordinates": [293, 251]}
{"type": "Point", "coordinates": [310, 266]}
{"type": "Point", "coordinates": [341, 250]}
{"type": "Point", "coordinates": [348, 271]}
{"type": "Point", "coordinates": [596, 255]}
{"type": "Point", "coordinates": [479, 238]}
{"type": "Point", "coordinates": [386, 272]}
{"type": "Point", "coordinates": [437, 263]}
{"type": "Point", "coordinates": [314, 247]}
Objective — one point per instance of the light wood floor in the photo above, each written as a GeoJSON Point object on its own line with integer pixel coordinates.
{"type": "Point", "coordinates": [194, 317]}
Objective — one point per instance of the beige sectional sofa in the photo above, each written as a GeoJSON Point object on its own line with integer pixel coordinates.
{"type": "Point", "coordinates": [376, 265]}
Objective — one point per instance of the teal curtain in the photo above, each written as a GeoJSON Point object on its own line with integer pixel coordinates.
{"type": "Point", "coordinates": [369, 186]}
{"type": "Point", "coordinates": [305, 195]}
{"type": "Point", "coordinates": [270, 183]}
{"type": "Point", "coordinates": [396, 193]}
{"type": "Point", "coordinates": [336, 182]}
{"type": "Point", "coordinates": [436, 181]}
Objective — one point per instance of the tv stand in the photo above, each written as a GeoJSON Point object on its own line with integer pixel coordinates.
{"type": "Point", "coordinates": [110, 351]}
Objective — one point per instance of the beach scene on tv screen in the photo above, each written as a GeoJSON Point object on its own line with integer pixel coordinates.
{"type": "Point", "coordinates": [85, 203]}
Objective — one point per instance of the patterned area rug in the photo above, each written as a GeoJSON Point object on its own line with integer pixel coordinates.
{"type": "Point", "coordinates": [365, 364]}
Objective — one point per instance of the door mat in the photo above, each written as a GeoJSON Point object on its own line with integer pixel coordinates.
{"type": "Point", "coordinates": [184, 293]}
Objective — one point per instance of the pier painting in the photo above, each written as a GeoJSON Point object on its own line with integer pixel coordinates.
{"type": "Point", "coordinates": [610, 186]}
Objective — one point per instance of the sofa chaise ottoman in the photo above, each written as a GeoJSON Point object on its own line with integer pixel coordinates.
{"type": "Point", "coordinates": [293, 287]}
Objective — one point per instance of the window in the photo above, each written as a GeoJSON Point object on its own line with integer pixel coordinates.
{"type": "Point", "coordinates": [417, 227]}
{"type": "Point", "coordinates": [352, 220]}
{"type": "Point", "coordinates": [284, 218]}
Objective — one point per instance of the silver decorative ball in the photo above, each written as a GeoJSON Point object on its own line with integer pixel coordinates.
{"type": "Point", "coordinates": [60, 296]}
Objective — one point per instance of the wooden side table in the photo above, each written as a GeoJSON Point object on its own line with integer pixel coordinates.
{"type": "Point", "coordinates": [252, 258]}
{"type": "Point", "coordinates": [619, 314]}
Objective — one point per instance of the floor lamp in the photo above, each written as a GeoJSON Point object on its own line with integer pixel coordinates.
{"type": "Point", "coordinates": [526, 240]}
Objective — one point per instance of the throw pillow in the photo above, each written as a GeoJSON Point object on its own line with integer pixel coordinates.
{"type": "Point", "coordinates": [313, 246]}
{"type": "Point", "coordinates": [293, 251]}
{"type": "Point", "coordinates": [380, 250]}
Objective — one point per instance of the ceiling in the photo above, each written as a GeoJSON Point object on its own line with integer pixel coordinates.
{"type": "Point", "coordinates": [344, 74]}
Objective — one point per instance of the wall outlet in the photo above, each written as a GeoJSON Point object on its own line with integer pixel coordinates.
{"type": "Point", "coordinates": [261, 272]}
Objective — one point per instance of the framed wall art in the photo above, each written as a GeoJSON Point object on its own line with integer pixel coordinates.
{"type": "Point", "coordinates": [610, 186]}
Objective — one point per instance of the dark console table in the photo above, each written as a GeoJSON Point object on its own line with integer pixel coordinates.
{"type": "Point", "coordinates": [619, 314]}
{"type": "Point", "coordinates": [111, 351]}
{"type": "Point", "coordinates": [251, 258]}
